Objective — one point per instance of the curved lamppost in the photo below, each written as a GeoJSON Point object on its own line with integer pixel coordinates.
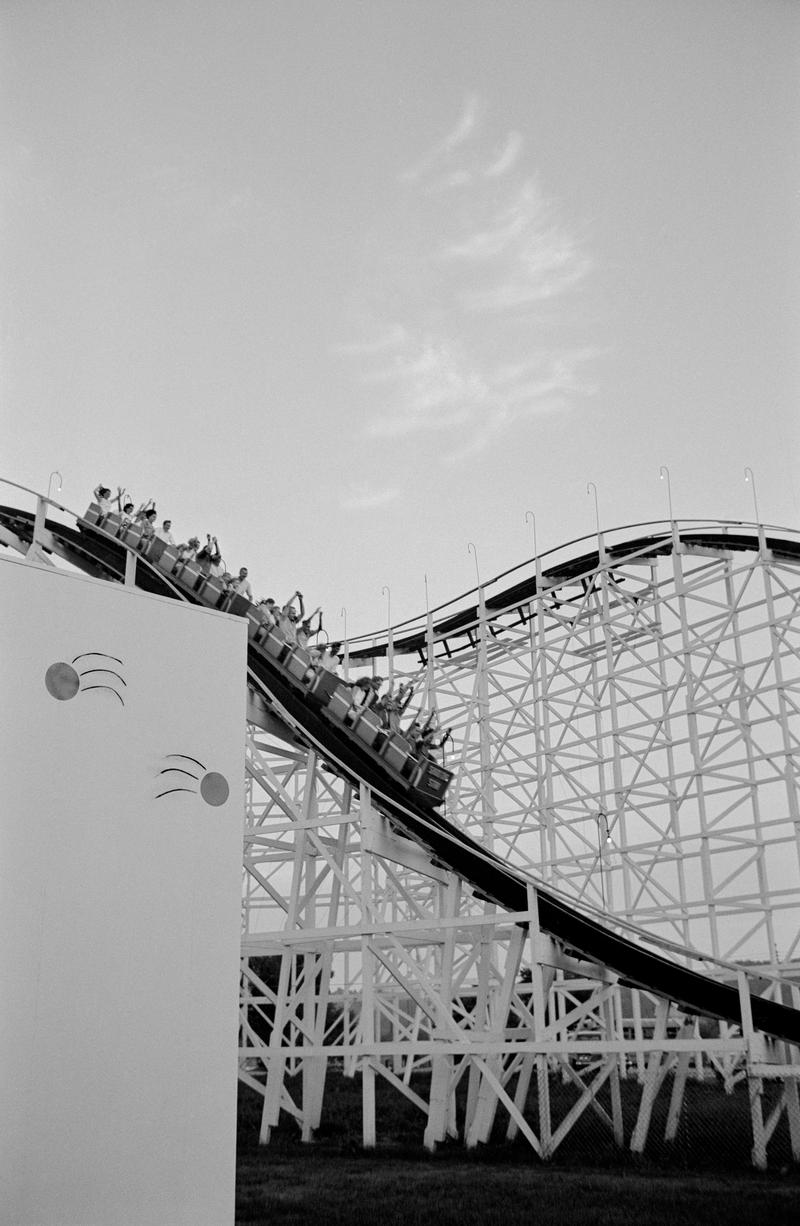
{"type": "Point", "coordinates": [429, 673]}
{"type": "Point", "coordinates": [387, 592]}
{"type": "Point", "coordinates": [343, 614]}
{"type": "Point", "coordinates": [663, 474]}
{"type": "Point", "coordinates": [50, 483]}
{"type": "Point", "coordinates": [529, 516]}
{"type": "Point", "coordinates": [750, 479]}
{"type": "Point", "coordinates": [471, 549]}
{"type": "Point", "coordinates": [591, 488]}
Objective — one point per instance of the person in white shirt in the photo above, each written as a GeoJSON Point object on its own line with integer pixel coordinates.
{"type": "Point", "coordinates": [165, 533]}
{"type": "Point", "coordinates": [102, 496]}
{"type": "Point", "coordinates": [269, 611]}
{"type": "Point", "coordinates": [241, 585]}
{"type": "Point", "coordinates": [329, 658]}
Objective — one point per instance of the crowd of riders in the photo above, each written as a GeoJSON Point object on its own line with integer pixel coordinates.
{"type": "Point", "coordinates": [390, 704]}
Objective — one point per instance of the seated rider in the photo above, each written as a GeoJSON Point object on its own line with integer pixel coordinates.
{"type": "Point", "coordinates": [268, 611]}
{"type": "Point", "coordinates": [413, 733]}
{"type": "Point", "coordinates": [304, 632]}
{"type": "Point", "coordinates": [362, 691]}
{"type": "Point", "coordinates": [102, 496]}
{"type": "Point", "coordinates": [432, 739]}
{"type": "Point", "coordinates": [122, 498]}
{"type": "Point", "coordinates": [209, 556]}
{"type": "Point", "coordinates": [373, 695]}
{"type": "Point", "coordinates": [392, 705]}
{"type": "Point", "coordinates": [241, 584]}
{"type": "Point", "coordinates": [188, 552]}
{"type": "Point", "coordinates": [421, 733]}
{"type": "Point", "coordinates": [147, 519]}
{"type": "Point", "coordinates": [289, 617]}
{"type": "Point", "coordinates": [144, 507]}
{"type": "Point", "coordinates": [329, 658]}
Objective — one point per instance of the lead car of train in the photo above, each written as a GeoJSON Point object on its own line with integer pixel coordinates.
{"type": "Point", "coordinates": [418, 774]}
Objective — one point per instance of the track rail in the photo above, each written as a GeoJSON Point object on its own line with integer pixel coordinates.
{"type": "Point", "coordinates": [638, 966]}
{"type": "Point", "coordinates": [452, 631]}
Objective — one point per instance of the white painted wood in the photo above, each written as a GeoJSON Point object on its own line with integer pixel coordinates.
{"type": "Point", "coordinates": [118, 906]}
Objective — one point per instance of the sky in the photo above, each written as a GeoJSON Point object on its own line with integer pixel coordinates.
{"type": "Point", "coordinates": [354, 285]}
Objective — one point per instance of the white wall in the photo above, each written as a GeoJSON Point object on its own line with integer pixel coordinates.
{"type": "Point", "coordinates": [119, 912]}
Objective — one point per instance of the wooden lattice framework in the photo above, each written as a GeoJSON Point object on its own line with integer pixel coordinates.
{"type": "Point", "coordinates": [633, 737]}
{"type": "Point", "coordinates": [390, 965]}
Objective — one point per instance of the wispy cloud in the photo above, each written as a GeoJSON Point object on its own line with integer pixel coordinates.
{"type": "Point", "coordinates": [468, 302]}
{"type": "Point", "coordinates": [507, 157]}
{"type": "Point", "coordinates": [463, 130]}
{"type": "Point", "coordinates": [435, 385]}
{"type": "Point", "coordinates": [523, 255]}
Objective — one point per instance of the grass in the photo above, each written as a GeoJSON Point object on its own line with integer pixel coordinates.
{"type": "Point", "coordinates": [588, 1183]}
{"type": "Point", "coordinates": [319, 1188]}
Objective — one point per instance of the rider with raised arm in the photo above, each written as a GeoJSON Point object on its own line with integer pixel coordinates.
{"type": "Point", "coordinates": [304, 631]}
{"type": "Point", "coordinates": [102, 496]}
{"type": "Point", "coordinates": [289, 617]}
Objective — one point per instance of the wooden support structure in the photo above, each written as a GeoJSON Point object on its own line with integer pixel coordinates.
{"type": "Point", "coordinates": [391, 967]}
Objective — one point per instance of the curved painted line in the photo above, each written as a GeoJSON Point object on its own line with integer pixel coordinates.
{"type": "Point", "coordinates": [180, 771]}
{"type": "Point", "coordinates": [169, 790]}
{"type": "Point", "coordinates": [105, 655]}
{"type": "Point", "coordinates": [86, 672]}
{"type": "Point", "coordinates": [188, 758]}
{"type": "Point", "coordinates": [105, 687]}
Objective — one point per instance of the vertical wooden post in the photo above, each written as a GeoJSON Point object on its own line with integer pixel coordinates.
{"type": "Point", "coordinates": [539, 1000]}
{"type": "Point", "coordinates": [679, 1085]}
{"type": "Point", "coordinates": [439, 1102]}
{"type": "Point", "coordinates": [652, 1081]}
{"type": "Point", "coordinates": [792, 1057]}
{"type": "Point", "coordinates": [755, 1085]}
{"type": "Point", "coordinates": [486, 1106]}
{"type": "Point", "coordinates": [479, 1029]}
{"type": "Point", "coordinates": [614, 1075]}
{"type": "Point", "coordinates": [368, 972]}
{"type": "Point", "coordinates": [277, 1061]}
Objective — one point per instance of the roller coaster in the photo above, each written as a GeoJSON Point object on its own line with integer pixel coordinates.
{"type": "Point", "coordinates": [625, 727]}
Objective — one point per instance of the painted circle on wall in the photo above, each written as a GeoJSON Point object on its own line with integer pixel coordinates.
{"type": "Point", "coordinates": [214, 788]}
{"type": "Point", "coordinates": [62, 681]}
